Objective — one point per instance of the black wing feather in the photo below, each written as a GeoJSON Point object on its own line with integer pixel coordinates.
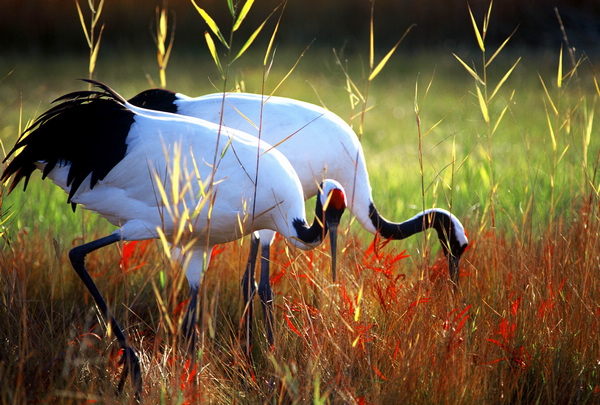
{"type": "Point", "coordinates": [87, 130]}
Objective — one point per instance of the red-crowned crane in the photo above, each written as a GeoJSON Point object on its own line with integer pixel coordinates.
{"type": "Point", "coordinates": [318, 144]}
{"type": "Point", "coordinates": [112, 157]}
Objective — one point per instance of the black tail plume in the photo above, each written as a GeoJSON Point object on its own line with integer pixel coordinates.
{"type": "Point", "coordinates": [86, 131]}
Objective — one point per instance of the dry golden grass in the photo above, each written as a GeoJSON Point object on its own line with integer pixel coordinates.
{"type": "Point", "coordinates": [523, 328]}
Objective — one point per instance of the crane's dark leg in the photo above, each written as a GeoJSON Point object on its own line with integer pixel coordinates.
{"type": "Point", "coordinates": [453, 270]}
{"type": "Point", "coordinates": [189, 322]}
{"type": "Point", "coordinates": [249, 289]}
{"type": "Point", "coordinates": [129, 359]}
{"type": "Point", "coordinates": [265, 293]}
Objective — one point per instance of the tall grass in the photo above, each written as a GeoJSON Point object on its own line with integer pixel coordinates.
{"type": "Point", "coordinates": [523, 328]}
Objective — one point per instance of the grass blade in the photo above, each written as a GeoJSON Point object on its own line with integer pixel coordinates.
{"type": "Point", "coordinates": [477, 34]}
{"type": "Point", "coordinates": [471, 71]}
{"type": "Point", "coordinates": [483, 105]}
{"type": "Point", "coordinates": [163, 194]}
{"type": "Point", "coordinates": [290, 72]}
{"type": "Point", "coordinates": [98, 13]}
{"type": "Point", "coordinates": [230, 6]}
{"type": "Point", "coordinates": [164, 242]}
{"type": "Point", "coordinates": [588, 130]}
{"type": "Point", "coordinates": [249, 41]}
{"type": "Point", "coordinates": [87, 37]}
{"type": "Point", "coordinates": [437, 124]}
{"type": "Point", "coordinates": [381, 64]}
{"type": "Point", "coordinates": [211, 24]}
{"type": "Point", "coordinates": [213, 51]}
{"type": "Point", "coordinates": [272, 40]}
{"type": "Point", "coordinates": [501, 82]}
{"type": "Point", "coordinates": [500, 48]}
{"type": "Point", "coordinates": [224, 151]}
{"type": "Point", "coordinates": [170, 47]}
{"type": "Point", "coordinates": [94, 55]}
{"type": "Point", "coordinates": [163, 308]}
{"type": "Point", "coordinates": [559, 75]}
{"type": "Point", "coordinates": [161, 34]}
{"type": "Point", "coordinates": [243, 14]}
{"type": "Point", "coordinates": [596, 84]}
{"type": "Point", "coordinates": [358, 299]}
{"type": "Point", "coordinates": [548, 96]}
{"type": "Point", "coordinates": [350, 86]}
{"type": "Point", "coordinates": [551, 130]}
{"type": "Point", "coordinates": [563, 153]}
{"type": "Point", "coordinates": [512, 95]}
{"type": "Point", "coordinates": [416, 101]}
{"type": "Point", "coordinates": [429, 85]}
{"type": "Point", "coordinates": [486, 21]}
{"type": "Point", "coordinates": [499, 119]}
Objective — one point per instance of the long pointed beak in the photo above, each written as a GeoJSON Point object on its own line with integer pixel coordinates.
{"type": "Point", "coordinates": [333, 231]}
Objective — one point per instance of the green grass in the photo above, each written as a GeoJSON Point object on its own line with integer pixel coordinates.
{"type": "Point", "coordinates": [523, 328]}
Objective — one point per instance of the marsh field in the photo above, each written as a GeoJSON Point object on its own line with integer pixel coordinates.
{"type": "Point", "coordinates": [507, 141]}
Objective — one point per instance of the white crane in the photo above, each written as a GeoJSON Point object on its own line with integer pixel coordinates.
{"type": "Point", "coordinates": [318, 144]}
{"type": "Point", "coordinates": [112, 158]}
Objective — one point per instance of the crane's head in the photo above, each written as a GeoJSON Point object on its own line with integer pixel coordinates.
{"type": "Point", "coordinates": [453, 238]}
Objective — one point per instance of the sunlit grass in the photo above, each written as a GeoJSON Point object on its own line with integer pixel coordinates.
{"type": "Point", "coordinates": [522, 329]}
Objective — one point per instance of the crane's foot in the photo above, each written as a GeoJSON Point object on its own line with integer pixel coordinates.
{"type": "Point", "coordinates": [130, 363]}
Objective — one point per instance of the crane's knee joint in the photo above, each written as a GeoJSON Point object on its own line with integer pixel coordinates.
{"type": "Point", "coordinates": [265, 293]}
{"type": "Point", "coordinates": [76, 256]}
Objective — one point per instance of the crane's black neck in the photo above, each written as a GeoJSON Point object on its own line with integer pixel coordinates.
{"type": "Point", "coordinates": [439, 220]}
{"type": "Point", "coordinates": [314, 234]}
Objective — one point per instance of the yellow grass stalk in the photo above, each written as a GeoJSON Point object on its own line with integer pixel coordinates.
{"type": "Point", "coordinates": [551, 129]}
{"type": "Point", "coordinates": [501, 82]}
{"type": "Point", "coordinates": [249, 41]}
{"type": "Point", "coordinates": [93, 44]}
{"type": "Point", "coordinates": [289, 72]}
{"type": "Point", "coordinates": [358, 300]}
{"type": "Point", "coordinates": [500, 48]}
{"type": "Point", "coordinates": [471, 71]}
{"type": "Point", "coordinates": [483, 105]}
{"type": "Point", "coordinates": [211, 24]}
{"type": "Point", "coordinates": [559, 75]}
{"type": "Point", "coordinates": [243, 14]}
{"type": "Point", "coordinates": [381, 64]}
{"type": "Point", "coordinates": [213, 52]}
{"type": "Point", "coordinates": [548, 96]}
{"type": "Point", "coordinates": [477, 34]}
{"type": "Point", "coordinates": [163, 52]}
{"type": "Point", "coordinates": [163, 308]}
